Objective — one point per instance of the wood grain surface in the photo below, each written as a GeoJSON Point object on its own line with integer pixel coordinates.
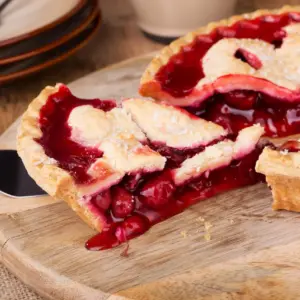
{"type": "Point", "coordinates": [252, 253]}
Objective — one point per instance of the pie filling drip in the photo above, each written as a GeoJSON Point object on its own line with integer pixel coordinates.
{"type": "Point", "coordinates": [155, 198]}
{"type": "Point", "coordinates": [253, 79]}
{"type": "Point", "coordinates": [140, 199]}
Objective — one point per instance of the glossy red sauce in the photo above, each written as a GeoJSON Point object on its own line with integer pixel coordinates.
{"type": "Point", "coordinates": [56, 133]}
{"type": "Point", "coordinates": [237, 110]}
{"type": "Point", "coordinates": [141, 200]}
{"type": "Point", "coordinates": [156, 199]}
{"type": "Point", "coordinates": [180, 75]}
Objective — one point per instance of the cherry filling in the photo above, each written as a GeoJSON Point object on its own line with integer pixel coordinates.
{"type": "Point", "coordinates": [56, 133]}
{"type": "Point", "coordinates": [140, 200]}
{"type": "Point", "coordinates": [156, 199]}
{"type": "Point", "coordinates": [183, 71]}
{"type": "Point", "coordinates": [238, 109]}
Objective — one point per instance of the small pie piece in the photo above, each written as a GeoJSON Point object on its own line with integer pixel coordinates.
{"type": "Point", "coordinates": [123, 169]}
{"type": "Point", "coordinates": [235, 73]}
{"type": "Point", "coordinates": [281, 166]}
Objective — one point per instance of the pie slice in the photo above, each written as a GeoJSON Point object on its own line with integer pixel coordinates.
{"type": "Point", "coordinates": [235, 73]}
{"type": "Point", "coordinates": [125, 168]}
{"type": "Point", "coordinates": [281, 166]}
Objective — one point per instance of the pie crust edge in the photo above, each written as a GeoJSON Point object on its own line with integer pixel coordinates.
{"type": "Point", "coordinates": [282, 176]}
{"type": "Point", "coordinates": [57, 182]}
{"type": "Point", "coordinates": [167, 52]}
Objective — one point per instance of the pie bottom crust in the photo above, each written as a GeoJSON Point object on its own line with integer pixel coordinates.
{"type": "Point", "coordinates": [283, 177]}
{"type": "Point", "coordinates": [285, 191]}
{"type": "Point", "coordinates": [55, 181]}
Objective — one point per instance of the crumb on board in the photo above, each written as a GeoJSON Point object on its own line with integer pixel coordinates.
{"type": "Point", "coordinates": [12, 216]}
{"type": "Point", "coordinates": [207, 236]}
{"type": "Point", "coordinates": [207, 225]}
{"type": "Point", "coordinates": [204, 229]}
{"type": "Point", "coordinates": [184, 233]}
{"type": "Point", "coordinates": [200, 219]}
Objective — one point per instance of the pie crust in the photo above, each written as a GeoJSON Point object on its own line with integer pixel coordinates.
{"type": "Point", "coordinates": [148, 87]}
{"type": "Point", "coordinates": [57, 182]}
{"type": "Point", "coordinates": [136, 139]}
{"type": "Point", "coordinates": [129, 148]}
{"type": "Point", "coordinates": [282, 171]}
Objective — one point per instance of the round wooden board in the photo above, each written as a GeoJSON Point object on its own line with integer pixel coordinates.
{"type": "Point", "coordinates": [253, 252]}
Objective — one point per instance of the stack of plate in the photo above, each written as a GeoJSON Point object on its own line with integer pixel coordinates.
{"type": "Point", "coordinates": [37, 34]}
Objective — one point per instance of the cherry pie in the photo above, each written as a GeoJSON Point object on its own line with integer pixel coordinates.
{"type": "Point", "coordinates": [123, 169]}
{"type": "Point", "coordinates": [235, 73]}
{"type": "Point", "coordinates": [226, 97]}
{"type": "Point", "coordinates": [281, 165]}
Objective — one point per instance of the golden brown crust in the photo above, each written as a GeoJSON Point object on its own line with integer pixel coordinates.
{"type": "Point", "coordinates": [44, 170]}
{"type": "Point", "coordinates": [163, 57]}
{"type": "Point", "coordinates": [285, 191]}
{"type": "Point", "coordinates": [279, 163]}
{"type": "Point", "coordinates": [282, 172]}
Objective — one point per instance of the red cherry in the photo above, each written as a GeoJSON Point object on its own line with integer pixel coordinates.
{"type": "Point", "coordinates": [249, 58]}
{"type": "Point", "coordinates": [241, 99]}
{"type": "Point", "coordinates": [291, 146]}
{"type": "Point", "coordinates": [157, 192]}
{"type": "Point", "coordinates": [131, 227]}
{"type": "Point", "coordinates": [102, 200]}
{"type": "Point", "coordinates": [122, 203]}
{"type": "Point", "coordinates": [132, 182]}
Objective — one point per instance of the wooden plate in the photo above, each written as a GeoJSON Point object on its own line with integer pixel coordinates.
{"type": "Point", "coordinates": [253, 252]}
{"type": "Point", "coordinates": [51, 38]}
{"type": "Point", "coordinates": [49, 58]}
{"type": "Point", "coordinates": [24, 19]}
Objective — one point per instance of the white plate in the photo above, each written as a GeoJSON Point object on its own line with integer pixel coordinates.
{"type": "Point", "coordinates": [25, 16]}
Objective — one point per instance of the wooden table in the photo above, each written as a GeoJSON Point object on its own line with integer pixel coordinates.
{"type": "Point", "coordinates": [118, 39]}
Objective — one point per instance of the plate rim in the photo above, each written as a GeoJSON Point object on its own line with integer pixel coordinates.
{"type": "Point", "coordinates": [93, 15]}
{"type": "Point", "coordinates": [50, 25]}
{"type": "Point", "coordinates": [49, 63]}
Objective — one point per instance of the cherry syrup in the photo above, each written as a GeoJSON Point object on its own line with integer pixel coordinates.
{"type": "Point", "coordinates": [56, 133]}
{"type": "Point", "coordinates": [141, 200]}
{"type": "Point", "coordinates": [238, 109]}
{"type": "Point", "coordinates": [183, 71]}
